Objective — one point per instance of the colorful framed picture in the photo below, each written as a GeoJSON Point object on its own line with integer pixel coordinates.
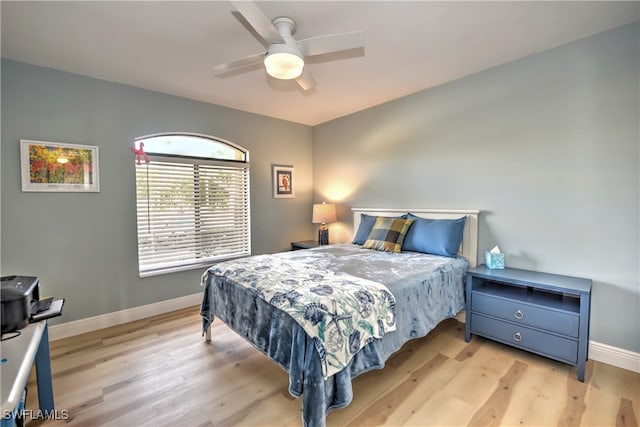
{"type": "Point", "coordinates": [55, 166]}
{"type": "Point", "coordinates": [283, 182]}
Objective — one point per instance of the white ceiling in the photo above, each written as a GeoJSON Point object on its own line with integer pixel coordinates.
{"type": "Point", "coordinates": [171, 47]}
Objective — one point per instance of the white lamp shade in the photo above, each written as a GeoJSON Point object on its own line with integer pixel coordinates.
{"type": "Point", "coordinates": [324, 213]}
{"type": "Point", "coordinates": [284, 65]}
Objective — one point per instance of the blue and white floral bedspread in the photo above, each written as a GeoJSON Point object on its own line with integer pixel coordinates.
{"type": "Point", "coordinates": [427, 289]}
{"type": "Point", "coordinates": [340, 312]}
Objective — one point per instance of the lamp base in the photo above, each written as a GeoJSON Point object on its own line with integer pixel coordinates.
{"type": "Point", "coordinates": [323, 236]}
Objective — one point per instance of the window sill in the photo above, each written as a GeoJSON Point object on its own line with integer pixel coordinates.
{"type": "Point", "coordinates": [205, 264]}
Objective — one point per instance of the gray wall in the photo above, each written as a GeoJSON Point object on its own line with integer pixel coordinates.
{"type": "Point", "coordinates": [83, 246]}
{"type": "Point", "coordinates": [546, 146]}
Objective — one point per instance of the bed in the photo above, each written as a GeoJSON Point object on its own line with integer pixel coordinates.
{"type": "Point", "coordinates": [393, 298]}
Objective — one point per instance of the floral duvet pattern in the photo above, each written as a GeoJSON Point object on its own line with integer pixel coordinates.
{"type": "Point", "coordinates": [340, 312]}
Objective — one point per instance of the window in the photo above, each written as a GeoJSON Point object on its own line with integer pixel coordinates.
{"type": "Point", "coordinates": [192, 202]}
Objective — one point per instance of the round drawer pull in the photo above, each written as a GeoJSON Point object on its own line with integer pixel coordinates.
{"type": "Point", "coordinates": [518, 314]}
{"type": "Point", "coordinates": [517, 337]}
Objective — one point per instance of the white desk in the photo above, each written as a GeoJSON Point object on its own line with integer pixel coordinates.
{"type": "Point", "coordinates": [17, 356]}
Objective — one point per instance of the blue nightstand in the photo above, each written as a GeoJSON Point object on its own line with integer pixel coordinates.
{"type": "Point", "coordinates": [304, 244]}
{"type": "Point", "coordinates": [547, 314]}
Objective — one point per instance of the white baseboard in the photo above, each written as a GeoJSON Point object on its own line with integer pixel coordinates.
{"type": "Point", "coordinates": [90, 324]}
{"type": "Point", "coordinates": [614, 356]}
{"type": "Point", "coordinates": [604, 353]}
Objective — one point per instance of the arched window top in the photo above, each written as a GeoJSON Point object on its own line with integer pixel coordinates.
{"type": "Point", "coordinates": [193, 145]}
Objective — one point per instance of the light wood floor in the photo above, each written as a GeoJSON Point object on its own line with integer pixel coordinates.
{"type": "Point", "coordinates": [160, 372]}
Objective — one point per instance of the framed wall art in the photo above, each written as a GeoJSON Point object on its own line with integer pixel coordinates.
{"type": "Point", "coordinates": [283, 182]}
{"type": "Point", "coordinates": [55, 166]}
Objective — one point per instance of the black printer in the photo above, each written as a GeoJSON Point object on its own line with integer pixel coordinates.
{"type": "Point", "coordinates": [21, 303]}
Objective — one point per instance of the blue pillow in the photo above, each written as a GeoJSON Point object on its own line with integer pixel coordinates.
{"type": "Point", "coordinates": [366, 225]}
{"type": "Point", "coordinates": [434, 236]}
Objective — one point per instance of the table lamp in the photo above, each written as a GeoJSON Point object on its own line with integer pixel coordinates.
{"type": "Point", "coordinates": [322, 214]}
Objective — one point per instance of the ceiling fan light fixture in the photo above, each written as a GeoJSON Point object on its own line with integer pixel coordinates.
{"type": "Point", "coordinates": [284, 57]}
{"type": "Point", "coordinates": [284, 64]}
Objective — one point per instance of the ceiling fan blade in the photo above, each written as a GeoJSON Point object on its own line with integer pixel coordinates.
{"type": "Point", "coordinates": [239, 63]}
{"type": "Point", "coordinates": [331, 43]}
{"type": "Point", "coordinates": [306, 81]}
{"type": "Point", "coordinates": [258, 21]}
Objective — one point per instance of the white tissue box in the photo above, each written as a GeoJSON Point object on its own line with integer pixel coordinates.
{"type": "Point", "coordinates": [494, 261]}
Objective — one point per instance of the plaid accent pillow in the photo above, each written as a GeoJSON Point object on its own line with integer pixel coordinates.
{"type": "Point", "coordinates": [388, 234]}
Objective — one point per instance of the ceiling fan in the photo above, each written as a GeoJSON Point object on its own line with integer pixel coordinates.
{"type": "Point", "coordinates": [284, 58]}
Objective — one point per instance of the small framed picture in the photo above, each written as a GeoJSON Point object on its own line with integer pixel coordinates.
{"type": "Point", "coordinates": [283, 182]}
{"type": "Point", "coordinates": [56, 166]}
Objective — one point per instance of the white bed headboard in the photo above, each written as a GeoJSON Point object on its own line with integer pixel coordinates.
{"type": "Point", "coordinates": [469, 247]}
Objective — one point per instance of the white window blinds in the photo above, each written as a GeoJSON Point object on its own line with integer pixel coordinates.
{"type": "Point", "coordinates": [191, 213]}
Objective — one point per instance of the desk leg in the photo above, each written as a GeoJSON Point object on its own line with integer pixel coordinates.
{"type": "Point", "coordinates": [43, 372]}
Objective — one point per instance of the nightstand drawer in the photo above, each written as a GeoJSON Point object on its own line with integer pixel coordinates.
{"type": "Point", "coordinates": [526, 314]}
{"type": "Point", "coordinates": [549, 345]}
